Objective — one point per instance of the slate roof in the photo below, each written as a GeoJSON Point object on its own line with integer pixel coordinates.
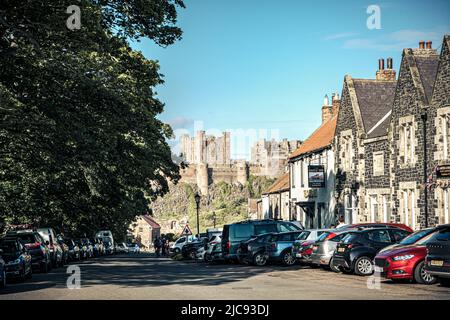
{"type": "Point", "coordinates": [375, 99]}
{"type": "Point", "coordinates": [321, 138]}
{"type": "Point", "coordinates": [281, 184]}
{"type": "Point", "coordinates": [151, 221]}
{"type": "Point", "coordinates": [428, 68]}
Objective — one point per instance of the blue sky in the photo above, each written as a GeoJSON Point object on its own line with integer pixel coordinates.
{"type": "Point", "coordinates": [262, 67]}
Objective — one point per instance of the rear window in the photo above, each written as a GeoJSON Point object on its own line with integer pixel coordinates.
{"type": "Point", "coordinates": [350, 238]}
{"type": "Point", "coordinates": [339, 237]}
{"type": "Point", "coordinates": [443, 235]}
{"type": "Point", "coordinates": [304, 235]}
{"type": "Point", "coordinates": [322, 237]}
{"type": "Point", "coordinates": [27, 238]}
{"type": "Point", "coordinates": [286, 227]}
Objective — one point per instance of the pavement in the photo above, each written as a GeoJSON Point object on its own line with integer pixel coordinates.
{"type": "Point", "coordinates": [144, 276]}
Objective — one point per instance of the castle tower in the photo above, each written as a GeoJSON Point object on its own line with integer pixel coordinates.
{"type": "Point", "coordinates": [242, 171]}
{"type": "Point", "coordinates": [200, 147]}
{"type": "Point", "coordinates": [202, 177]}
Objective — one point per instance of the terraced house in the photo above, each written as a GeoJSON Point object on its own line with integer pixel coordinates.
{"type": "Point", "coordinates": [392, 141]}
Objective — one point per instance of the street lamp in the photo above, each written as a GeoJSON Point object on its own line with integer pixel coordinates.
{"type": "Point", "coordinates": [197, 202]}
{"type": "Point", "coordinates": [214, 219]}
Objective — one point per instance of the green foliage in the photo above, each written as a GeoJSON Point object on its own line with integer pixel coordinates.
{"type": "Point", "coordinates": [81, 146]}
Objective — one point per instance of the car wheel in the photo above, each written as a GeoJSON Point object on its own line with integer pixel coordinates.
{"type": "Point", "coordinates": [3, 282]}
{"type": "Point", "coordinates": [287, 258]}
{"type": "Point", "coordinates": [444, 282]}
{"type": "Point", "coordinates": [260, 259]}
{"type": "Point", "coordinates": [364, 266]}
{"type": "Point", "coordinates": [422, 276]}
{"type": "Point", "coordinates": [333, 267]}
{"type": "Point", "coordinates": [192, 255]}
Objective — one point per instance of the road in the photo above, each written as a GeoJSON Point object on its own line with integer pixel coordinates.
{"type": "Point", "coordinates": [144, 276]}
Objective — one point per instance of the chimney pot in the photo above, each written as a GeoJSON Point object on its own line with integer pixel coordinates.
{"type": "Point", "coordinates": [422, 44]}
{"type": "Point", "coordinates": [429, 45]}
{"type": "Point", "coordinates": [389, 63]}
{"type": "Point", "coordinates": [381, 64]}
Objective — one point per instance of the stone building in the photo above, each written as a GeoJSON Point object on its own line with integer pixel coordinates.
{"type": "Point", "coordinates": [392, 142]}
{"type": "Point", "coordinates": [145, 230]}
{"type": "Point", "coordinates": [312, 173]}
{"type": "Point", "coordinates": [206, 149]}
{"type": "Point", "coordinates": [269, 158]}
{"type": "Point", "coordinates": [360, 145]}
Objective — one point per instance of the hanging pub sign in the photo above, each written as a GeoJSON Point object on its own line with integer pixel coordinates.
{"type": "Point", "coordinates": [443, 171]}
{"type": "Point", "coordinates": [316, 176]}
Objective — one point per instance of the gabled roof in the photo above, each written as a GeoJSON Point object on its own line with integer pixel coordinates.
{"type": "Point", "coordinates": [151, 221]}
{"type": "Point", "coordinates": [375, 99]}
{"type": "Point", "coordinates": [320, 139]}
{"type": "Point", "coordinates": [428, 68]}
{"type": "Point", "coordinates": [281, 184]}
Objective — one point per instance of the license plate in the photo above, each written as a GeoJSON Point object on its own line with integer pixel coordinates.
{"type": "Point", "coordinates": [341, 250]}
{"type": "Point", "coordinates": [437, 263]}
{"type": "Point", "coordinates": [378, 269]}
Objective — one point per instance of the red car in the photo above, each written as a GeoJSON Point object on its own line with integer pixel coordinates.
{"type": "Point", "coordinates": [378, 225]}
{"type": "Point", "coordinates": [406, 260]}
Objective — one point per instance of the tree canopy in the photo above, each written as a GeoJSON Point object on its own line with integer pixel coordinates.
{"type": "Point", "coordinates": [81, 147]}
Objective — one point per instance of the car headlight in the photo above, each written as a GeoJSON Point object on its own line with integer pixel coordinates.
{"type": "Point", "coordinates": [403, 258]}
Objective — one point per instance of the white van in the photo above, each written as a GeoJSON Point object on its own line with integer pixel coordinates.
{"type": "Point", "coordinates": [108, 241]}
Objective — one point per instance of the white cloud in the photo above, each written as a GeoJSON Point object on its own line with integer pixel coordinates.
{"type": "Point", "coordinates": [340, 36]}
{"type": "Point", "coordinates": [181, 123]}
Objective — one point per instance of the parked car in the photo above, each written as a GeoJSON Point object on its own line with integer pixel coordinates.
{"type": "Point", "coordinates": [323, 248]}
{"type": "Point", "coordinates": [17, 259]}
{"type": "Point", "coordinates": [279, 247]}
{"type": "Point", "coordinates": [83, 248]}
{"type": "Point", "coordinates": [254, 250]}
{"type": "Point", "coordinates": [2, 271]}
{"type": "Point", "coordinates": [49, 236]}
{"type": "Point", "coordinates": [437, 261]}
{"type": "Point", "coordinates": [189, 250]}
{"type": "Point", "coordinates": [35, 244]}
{"type": "Point", "coordinates": [234, 234]}
{"type": "Point", "coordinates": [303, 245]}
{"type": "Point", "coordinates": [213, 248]}
{"type": "Point", "coordinates": [64, 249]}
{"type": "Point", "coordinates": [89, 247]}
{"type": "Point", "coordinates": [96, 249]}
{"type": "Point", "coordinates": [74, 250]}
{"type": "Point", "coordinates": [121, 248]}
{"type": "Point", "coordinates": [109, 247]}
{"type": "Point", "coordinates": [406, 260]}
{"type": "Point", "coordinates": [179, 243]}
{"type": "Point", "coordinates": [133, 248]}
{"type": "Point", "coordinates": [357, 250]}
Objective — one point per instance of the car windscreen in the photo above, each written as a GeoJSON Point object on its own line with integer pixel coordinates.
{"type": "Point", "coordinates": [415, 237]}
{"type": "Point", "coordinates": [286, 227]}
{"type": "Point", "coordinates": [265, 228]}
{"type": "Point", "coordinates": [304, 235]}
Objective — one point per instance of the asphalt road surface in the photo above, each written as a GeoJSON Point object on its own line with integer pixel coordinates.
{"type": "Point", "coordinates": [143, 276]}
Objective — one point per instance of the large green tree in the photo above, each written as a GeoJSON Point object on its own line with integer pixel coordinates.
{"type": "Point", "coordinates": [81, 147]}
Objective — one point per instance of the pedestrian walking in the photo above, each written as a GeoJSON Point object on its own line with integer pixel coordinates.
{"type": "Point", "coordinates": [157, 245]}
{"type": "Point", "coordinates": [163, 246]}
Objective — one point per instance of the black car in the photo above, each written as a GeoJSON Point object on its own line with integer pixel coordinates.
{"type": "Point", "coordinates": [74, 250]}
{"type": "Point", "coordinates": [234, 234]}
{"type": "Point", "coordinates": [17, 259]}
{"type": "Point", "coordinates": [356, 251]}
{"type": "Point", "coordinates": [437, 261]}
{"type": "Point", "coordinates": [35, 244]}
{"type": "Point", "coordinates": [189, 250]}
{"type": "Point", "coordinates": [2, 271]}
{"type": "Point", "coordinates": [254, 250]}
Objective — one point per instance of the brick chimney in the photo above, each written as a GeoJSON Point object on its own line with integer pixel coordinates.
{"type": "Point", "coordinates": [425, 48]}
{"type": "Point", "coordinates": [327, 110]}
{"type": "Point", "coordinates": [336, 102]}
{"type": "Point", "coordinates": [387, 74]}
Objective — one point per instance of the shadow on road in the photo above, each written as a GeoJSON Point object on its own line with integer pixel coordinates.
{"type": "Point", "coordinates": [143, 270]}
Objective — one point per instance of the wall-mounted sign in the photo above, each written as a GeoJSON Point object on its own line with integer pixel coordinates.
{"type": "Point", "coordinates": [316, 176]}
{"type": "Point", "coordinates": [443, 171]}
